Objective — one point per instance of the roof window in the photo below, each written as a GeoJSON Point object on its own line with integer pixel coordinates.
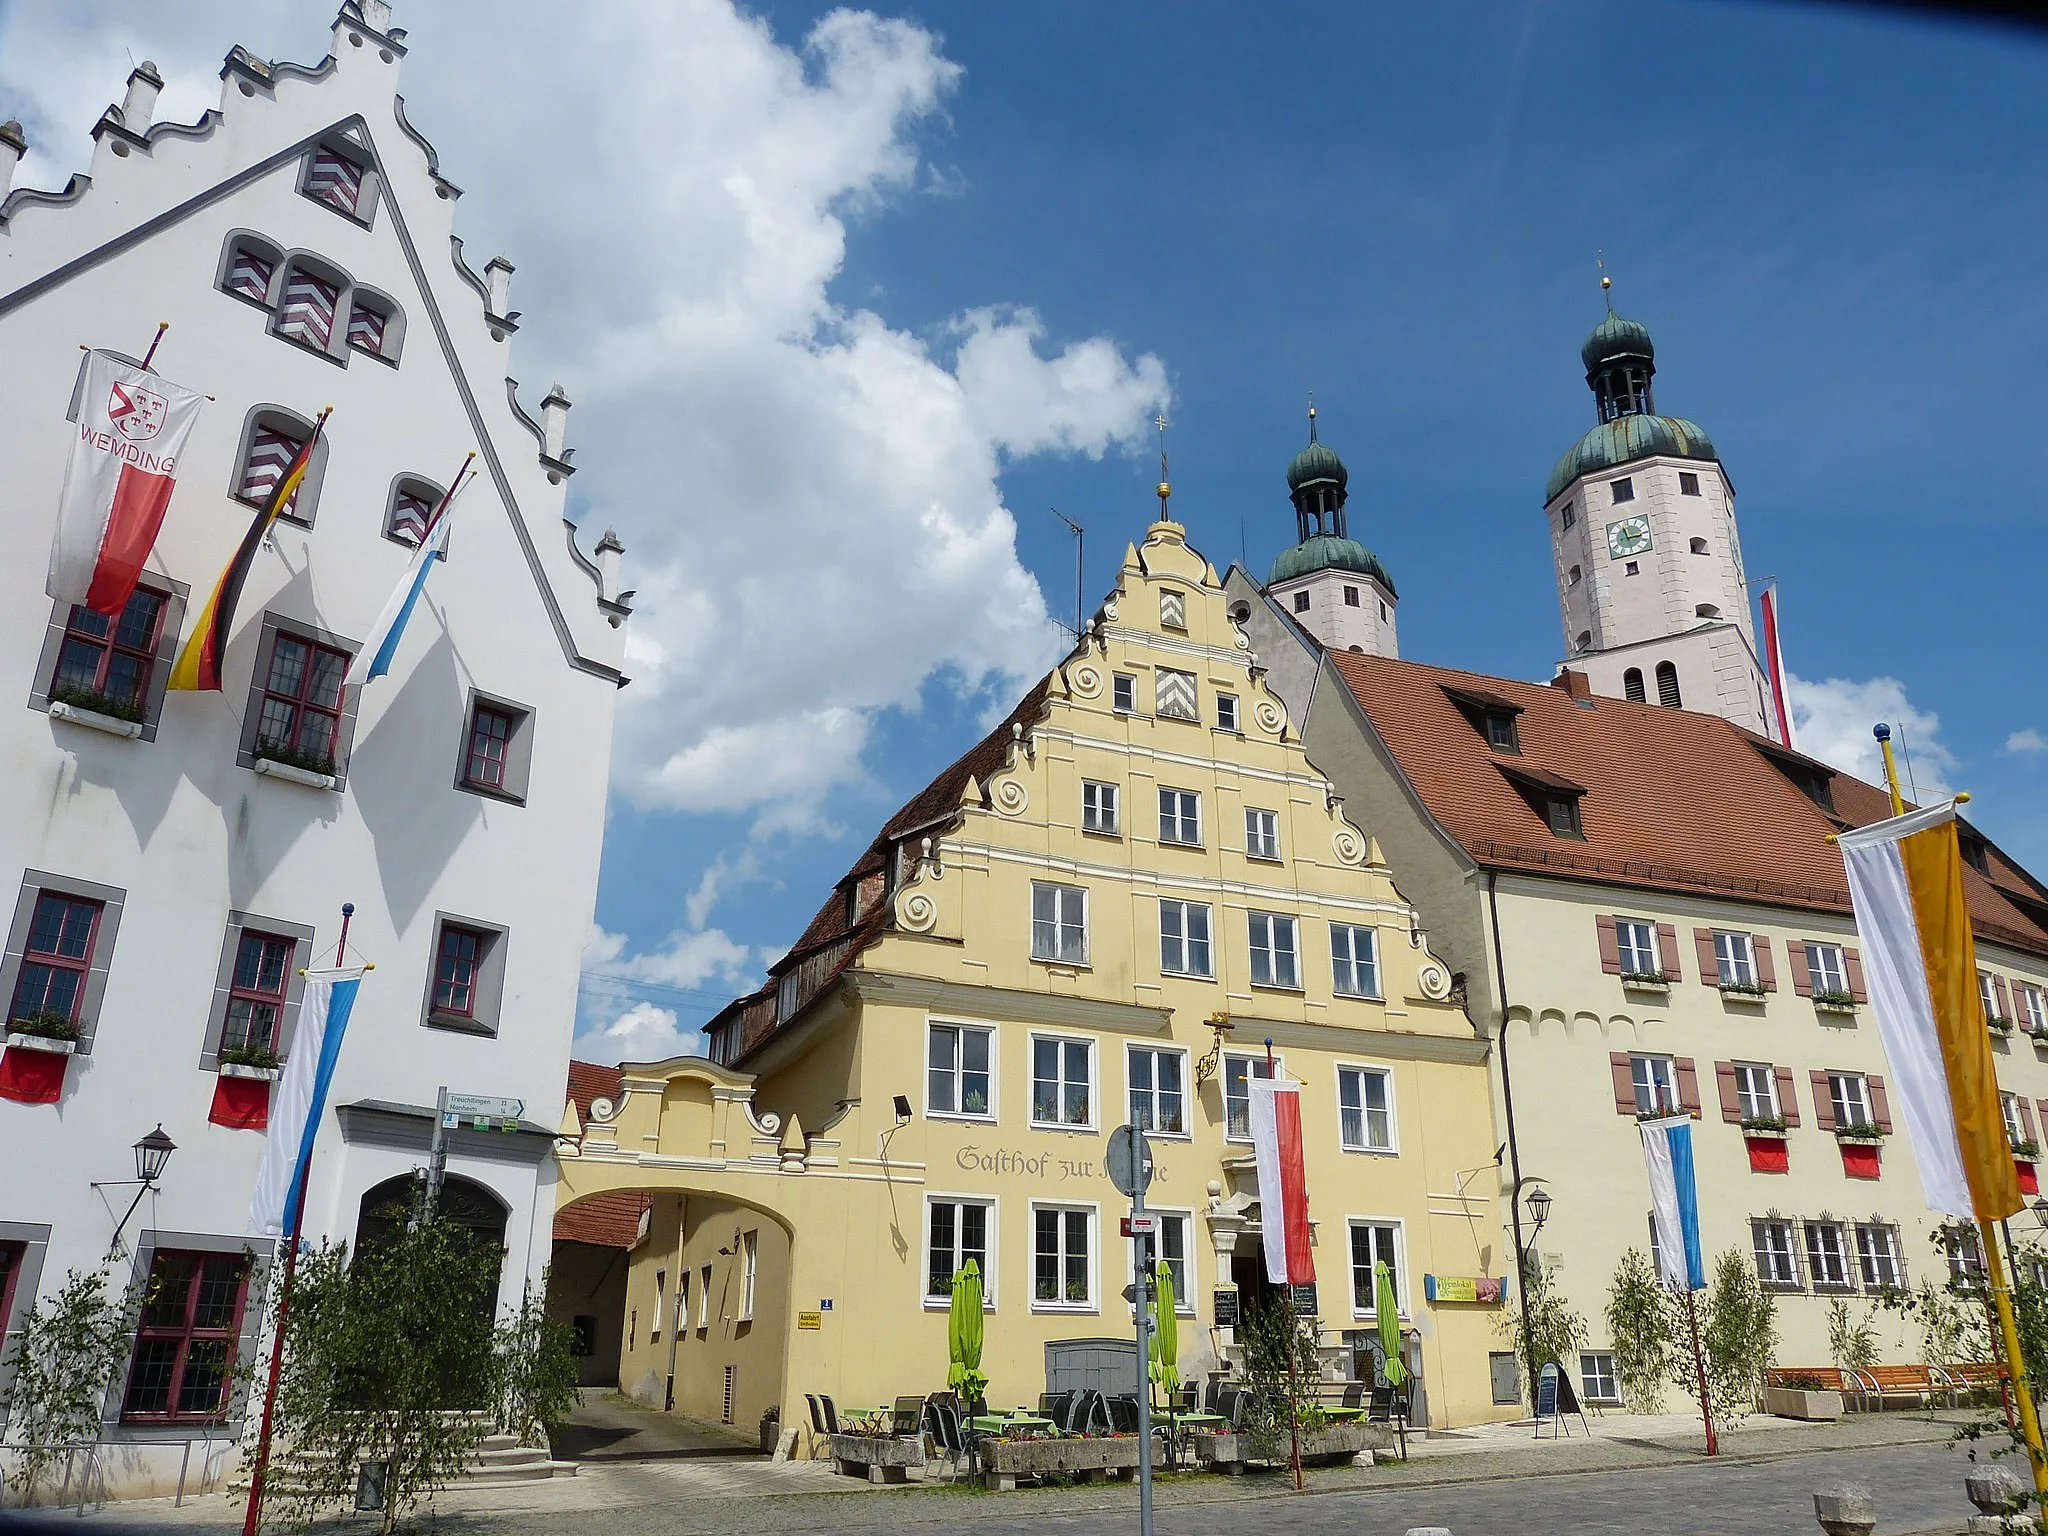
{"type": "Point", "coordinates": [1551, 796]}
{"type": "Point", "coordinates": [1490, 715]}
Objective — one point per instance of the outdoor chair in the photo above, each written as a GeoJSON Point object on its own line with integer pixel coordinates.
{"type": "Point", "coordinates": [1123, 1415]}
{"type": "Point", "coordinates": [1185, 1400]}
{"type": "Point", "coordinates": [831, 1414]}
{"type": "Point", "coordinates": [1354, 1395]}
{"type": "Point", "coordinates": [1391, 1408]}
{"type": "Point", "coordinates": [942, 1426]}
{"type": "Point", "coordinates": [1056, 1406]}
{"type": "Point", "coordinates": [907, 1417]}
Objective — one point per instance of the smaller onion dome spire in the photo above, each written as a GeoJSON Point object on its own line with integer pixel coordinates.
{"type": "Point", "coordinates": [1317, 484]}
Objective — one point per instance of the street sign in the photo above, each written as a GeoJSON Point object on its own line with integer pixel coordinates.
{"type": "Point", "coordinates": [471, 1106]}
{"type": "Point", "coordinates": [1128, 1154]}
{"type": "Point", "coordinates": [1141, 1224]}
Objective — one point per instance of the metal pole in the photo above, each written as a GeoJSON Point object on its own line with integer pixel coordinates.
{"type": "Point", "coordinates": [1293, 1392]}
{"type": "Point", "coordinates": [1141, 1248]}
{"type": "Point", "coordinates": [2030, 1422]}
{"type": "Point", "coordinates": [1699, 1363]}
{"type": "Point", "coordinates": [1507, 1094]}
{"type": "Point", "coordinates": [437, 1155]}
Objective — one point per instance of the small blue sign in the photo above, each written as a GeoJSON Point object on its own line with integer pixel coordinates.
{"type": "Point", "coordinates": [825, 1305]}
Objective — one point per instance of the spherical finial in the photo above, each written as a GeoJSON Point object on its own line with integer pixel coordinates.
{"type": "Point", "coordinates": [348, 909]}
{"type": "Point", "coordinates": [1606, 281]}
{"type": "Point", "coordinates": [1881, 731]}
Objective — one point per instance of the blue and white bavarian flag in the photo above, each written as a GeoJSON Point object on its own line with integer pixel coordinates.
{"type": "Point", "coordinates": [381, 646]}
{"type": "Point", "coordinates": [1674, 1202]}
{"type": "Point", "coordinates": [301, 1097]}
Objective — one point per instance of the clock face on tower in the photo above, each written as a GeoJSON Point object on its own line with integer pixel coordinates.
{"type": "Point", "coordinates": [1630, 536]}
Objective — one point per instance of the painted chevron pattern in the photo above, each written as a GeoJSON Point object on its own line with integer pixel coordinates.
{"type": "Point", "coordinates": [271, 452]}
{"type": "Point", "coordinates": [409, 513]}
{"type": "Point", "coordinates": [366, 329]}
{"type": "Point", "coordinates": [250, 276]}
{"type": "Point", "coordinates": [1173, 693]}
{"type": "Point", "coordinates": [307, 313]}
{"type": "Point", "coordinates": [335, 179]}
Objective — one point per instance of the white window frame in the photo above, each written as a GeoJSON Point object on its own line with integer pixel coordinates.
{"type": "Point", "coordinates": [1608, 1389]}
{"type": "Point", "coordinates": [1060, 920]}
{"type": "Point", "coordinates": [2033, 1007]}
{"type": "Point", "coordinates": [1783, 1250]}
{"type": "Point", "coordinates": [1659, 1082]}
{"type": "Point", "coordinates": [1182, 912]}
{"type": "Point", "coordinates": [1637, 959]}
{"type": "Point", "coordinates": [1131, 1091]}
{"type": "Point", "coordinates": [1101, 808]}
{"type": "Point", "coordinates": [660, 1306]}
{"type": "Point", "coordinates": [1252, 1064]}
{"type": "Point", "coordinates": [1344, 955]}
{"type": "Point", "coordinates": [1094, 1074]}
{"type": "Point", "coordinates": [750, 1274]}
{"type": "Point", "coordinates": [704, 1298]}
{"type": "Point", "coordinates": [1226, 713]}
{"type": "Point", "coordinates": [1399, 1267]}
{"type": "Point", "coordinates": [1849, 1091]}
{"type": "Point", "coordinates": [1819, 1256]}
{"type": "Point", "coordinates": [1175, 817]}
{"type": "Point", "coordinates": [990, 1230]}
{"type": "Point", "coordinates": [1123, 692]}
{"type": "Point", "coordinates": [681, 1322]}
{"type": "Point", "coordinates": [2009, 1111]}
{"type": "Point", "coordinates": [1093, 1211]}
{"type": "Point", "coordinates": [1755, 1105]}
{"type": "Point", "coordinates": [960, 1030]}
{"type": "Point", "coordinates": [1360, 1071]}
{"type": "Point", "coordinates": [1272, 950]}
{"type": "Point", "coordinates": [1735, 958]}
{"type": "Point", "coordinates": [1184, 1291]}
{"type": "Point", "coordinates": [1827, 967]}
{"type": "Point", "coordinates": [1261, 833]}
{"type": "Point", "coordinates": [1987, 994]}
{"type": "Point", "coordinates": [1880, 1264]}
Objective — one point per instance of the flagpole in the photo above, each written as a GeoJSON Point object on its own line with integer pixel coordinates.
{"type": "Point", "coordinates": [147, 357]}
{"type": "Point", "coordinates": [252, 1518]}
{"type": "Point", "coordinates": [1293, 1332]}
{"type": "Point", "coordinates": [1987, 1233]}
{"type": "Point", "coordinates": [1699, 1365]}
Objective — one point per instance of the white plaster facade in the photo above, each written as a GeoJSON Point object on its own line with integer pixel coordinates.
{"type": "Point", "coordinates": [173, 829]}
{"type": "Point", "coordinates": [1682, 598]}
{"type": "Point", "coordinates": [1346, 611]}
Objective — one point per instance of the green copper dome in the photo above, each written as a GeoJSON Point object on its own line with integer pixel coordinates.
{"type": "Point", "coordinates": [1627, 438]}
{"type": "Point", "coordinates": [1615, 337]}
{"type": "Point", "coordinates": [1316, 462]}
{"type": "Point", "coordinates": [1328, 552]}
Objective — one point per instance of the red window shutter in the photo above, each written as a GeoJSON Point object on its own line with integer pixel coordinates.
{"type": "Point", "coordinates": [1624, 1082]}
{"type": "Point", "coordinates": [2004, 997]}
{"type": "Point", "coordinates": [2043, 1104]}
{"type": "Point", "coordinates": [1731, 1097]}
{"type": "Point", "coordinates": [1853, 963]}
{"type": "Point", "coordinates": [1710, 968]}
{"type": "Point", "coordinates": [1766, 969]}
{"type": "Point", "coordinates": [2026, 1120]}
{"type": "Point", "coordinates": [1788, 1096]}
{"type": "Point", "coordinates": [1667, 951]}
{"type": "Point", "coordinates": [1880, 1106]}
{"type": "Point", "coordinates": [1610, 946]}
{"type": "Point", "coordinates": [1688, 1086]}
{"type": "Point", "coordinates": [1802, 973]}
{"type": "Point", "coordinates": [1824, 1100]}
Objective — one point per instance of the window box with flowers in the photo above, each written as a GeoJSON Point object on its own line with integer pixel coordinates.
{"type": "Point", "coordinates": [1861, 1131]}
{"type": "Point", "coordinates": [2026, 1151]}
{"type": "Point", "coordinates": [45, 1031]}
{"type": "Point", "coordinates": [1743, 991]}
{"type": "Point", "coordinates": [1835, 1002]}
{"type": "Point", "coordinates": [1646, 981]}
{"type": "Point", "coordinates": [250, 1061]}
{"type": "Point", "coordinates": [97, 711]}
{"type": "Point", "coordinates": [1997, 1025]}
{"type": "Point", "coordinates": [1768, 1126]}
{"type": "Point", "coordinates": [295, 765]}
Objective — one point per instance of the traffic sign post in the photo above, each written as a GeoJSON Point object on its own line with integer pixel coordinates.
{"type": "Point", "coordinates": [1130, 1170]}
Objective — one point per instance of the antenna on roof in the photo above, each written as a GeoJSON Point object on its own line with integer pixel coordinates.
{"type": "Point", "coordinates": [1908, 756]}
{"type": "Point", "coordinates": [1080, 565]}
{"type": "Point", "coordinates": [1606, 282]}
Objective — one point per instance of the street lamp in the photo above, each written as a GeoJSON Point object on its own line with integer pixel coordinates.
{"type": "Point", "coordinates": [2040, 1210]}
{"type": "Point", "coordinates": [1539, 1207]}
{"type": "Point", "coordinates": [151, 1153]}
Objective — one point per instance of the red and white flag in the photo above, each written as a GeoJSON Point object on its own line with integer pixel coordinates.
{"type": "Point", "coordinates": [132, 427]}
{"type": "Point", "coordinates": [1283, 1188]}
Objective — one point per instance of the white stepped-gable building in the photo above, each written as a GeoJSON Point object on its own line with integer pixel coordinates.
{"type": "Point", "coordinates": [165, 878]}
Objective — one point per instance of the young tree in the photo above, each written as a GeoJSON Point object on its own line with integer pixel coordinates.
{"type": "Point", "coordinates": [1852, 1343]}
{"type": "Point", "coordinates": [1271, 1336]}
{"type": "Point", "coordinates": [1648, 1334]}
{"type": "Point", "coordinates": [1738, 1336]}
{"type": "Point", "coordinates": [388, 1360]}
{"type": "Point", "coordinates": [535, 1385]}
{"type": "Point", "coordinates": [70, 1346]}
{"type": "Point", "coordinates": [1547, 1330]}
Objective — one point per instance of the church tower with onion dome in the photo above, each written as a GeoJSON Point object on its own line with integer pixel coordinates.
{"type": "Point", "coordinates": [1334, 586]}
{"type": "Point", "coordinates": [1650, 583]}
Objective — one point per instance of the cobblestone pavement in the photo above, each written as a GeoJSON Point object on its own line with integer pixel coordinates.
{"type": "Point", "coordinates": [1628, 1485]}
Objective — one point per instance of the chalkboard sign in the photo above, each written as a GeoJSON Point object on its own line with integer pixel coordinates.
{"type": "Point", "coordinates": [1304, 1299]}
{"type": "Point", "coordinates": [1225, 1302]}
{"type": "Point", "coordinates": [1555, 1397]}
{"type": "Point", "coordinates": [1546, 1392]}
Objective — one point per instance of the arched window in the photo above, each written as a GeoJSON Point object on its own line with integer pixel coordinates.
{"type": "Point", "coordinates": [386, 1208]}
{"type": "Point", "coordinates": [271, 438]}
{"type": "Point", "coordinates": [1632, 685]}
{"type": "Point", "coordinates": [248, 266]}
{"type": "Point", "coordinates": [1699, 547]}
{"type": "Point", "coordinates": [1706, 611]}
{"type": "Point", "coordinates": [309, 298]}
{"type": "Point", "coordinates": [1667, 686]}
{"type": "Point", "coordinates": [409, 509]}
{"type": "Point", "coordinates": [375, 324]}
{"type": "Point", "coordinates": [1585, 640]}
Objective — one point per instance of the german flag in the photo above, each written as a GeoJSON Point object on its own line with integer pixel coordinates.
{"type": "Point", "coordinates": [199, 662]}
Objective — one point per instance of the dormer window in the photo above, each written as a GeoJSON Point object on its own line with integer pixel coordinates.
{"type": "Point", "coordinates": [1490, 715]}
{"type": "Point", "coordinates": [1975, 851]}
{"type": "Point", "coordinates": [1551, 796]}
{"type": "Point", "coordinates": [1808, 777]}
{"type": "Point", "coordinates": [1500, 732]}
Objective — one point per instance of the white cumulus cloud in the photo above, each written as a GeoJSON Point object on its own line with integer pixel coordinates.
{"type": "Point", "coordinates": [1832, 721]}
{"type": "Point", "coordinates": [2027, 742]}
{"type": "Point", "coordinates": [642, 1033]}
{"type": "Point", "coordinates": [807, 492]}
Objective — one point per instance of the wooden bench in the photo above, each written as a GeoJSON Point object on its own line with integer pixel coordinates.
{"type": "Point", "coordinates": [1883, 1383]}
{"type": "Point", "coordinates": [1830, 1378]}
{"type": "Point", "coordinates": [1972, 1376]}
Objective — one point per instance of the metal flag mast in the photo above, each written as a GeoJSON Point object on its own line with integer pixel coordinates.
{"type": "Point", "coordinates": [1987, 1231]}
{"type": "Point", "coordinates": [1287, 1301]}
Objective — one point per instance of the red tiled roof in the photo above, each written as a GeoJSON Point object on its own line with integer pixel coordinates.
{"type": "Point", "coordinates": [1674, 800]}
{"type": "Point", "coordinates": [587, 1081]}
{"type": "Point", "coordinates": [605, 1221]}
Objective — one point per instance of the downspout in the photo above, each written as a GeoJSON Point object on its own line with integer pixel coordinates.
{"type": "Point", "coordinates": [1507, 1093]}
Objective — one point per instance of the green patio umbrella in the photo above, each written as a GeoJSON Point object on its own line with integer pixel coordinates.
{"type": "Point", "coordinates": [1387, 1307]}
{"type": "Point", "coordinates": [963, 1334]}
{"type": "Point", "coordinates": [1165, 1335]}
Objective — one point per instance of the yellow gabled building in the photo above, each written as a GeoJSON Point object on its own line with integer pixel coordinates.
{"type": "Point", "coordinates": [1103, 912]}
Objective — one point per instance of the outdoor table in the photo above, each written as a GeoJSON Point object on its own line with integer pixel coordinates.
{"type": "Point", "coordinates": [1343, 1415]}
{"type": "Point", "coordinates": [996, 1424]}
{"type": "Point", "coordinates": [1196, 1420]}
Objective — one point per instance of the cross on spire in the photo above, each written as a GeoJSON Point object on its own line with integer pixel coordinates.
{"type": "Point", "coordinates": [1606, 281]}
{"type": "Point", "coordinates": [1165, 488]}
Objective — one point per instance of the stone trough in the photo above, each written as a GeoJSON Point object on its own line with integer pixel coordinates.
{"type": "Point", "coordinates": [878, 1458]}
{"type": "Point", "coordinates": [1332, 1445]}
{"type": "Point", "coordinates": [1004, 1463]}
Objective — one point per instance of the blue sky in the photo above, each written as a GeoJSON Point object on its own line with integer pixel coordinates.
{"type": "Point", "coordinates": [966, 249]}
